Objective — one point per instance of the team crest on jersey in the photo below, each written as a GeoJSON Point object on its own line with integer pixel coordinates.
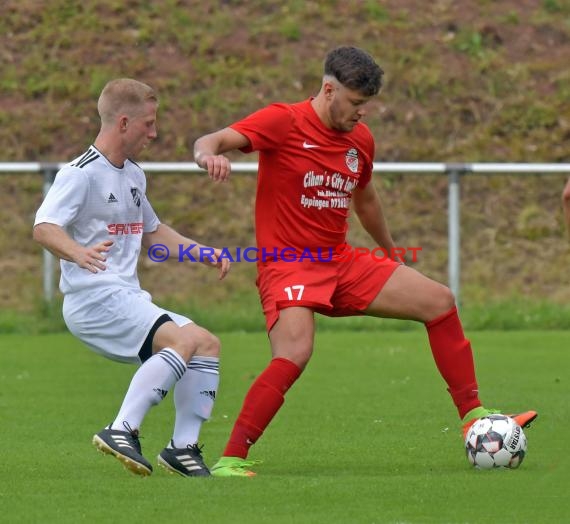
{"type": "Point", "coordinates": [136, 196]}
{"type": "Point", "coordinates": [351, 159]}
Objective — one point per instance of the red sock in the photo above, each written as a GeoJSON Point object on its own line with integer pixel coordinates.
{"type": "Point", "coordinates": [454, 359]}
{"type": "Point", "coordinates": [263, 400]}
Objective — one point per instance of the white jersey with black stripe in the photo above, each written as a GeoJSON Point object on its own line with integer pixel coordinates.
{"type": "Point", "coordinates": [94, 201]}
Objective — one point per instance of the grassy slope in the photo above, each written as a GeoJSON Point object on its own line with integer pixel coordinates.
{"type": "Point", "coordinates": [466, 81]}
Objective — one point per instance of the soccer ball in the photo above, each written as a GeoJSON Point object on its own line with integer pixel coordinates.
{"type": "Point", "coordinates": [496, 441]}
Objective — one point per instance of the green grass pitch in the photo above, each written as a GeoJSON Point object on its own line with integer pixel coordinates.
{"type": "Point", "coordinates": [367, 435]}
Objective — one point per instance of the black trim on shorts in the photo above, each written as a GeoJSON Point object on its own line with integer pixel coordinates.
{"type": "Point", "coordinates": [146, 349]}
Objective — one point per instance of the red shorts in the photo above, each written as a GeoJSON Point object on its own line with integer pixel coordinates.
{"type": "Point", "coordinates": [338, 288]}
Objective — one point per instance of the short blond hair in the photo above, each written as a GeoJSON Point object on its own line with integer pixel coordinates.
{"type": "Point", "coordinates": [124, 95]}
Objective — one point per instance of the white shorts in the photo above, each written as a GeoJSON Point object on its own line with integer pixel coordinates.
{"type": "Point", "coordinates": [114, 321]}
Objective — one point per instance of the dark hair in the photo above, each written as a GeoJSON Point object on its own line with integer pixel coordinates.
{"type": "Point", "coordinates": [355, 69]}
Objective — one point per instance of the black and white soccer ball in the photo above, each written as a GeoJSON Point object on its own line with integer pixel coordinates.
{"type": "Point", "coordinates": [496, 441]}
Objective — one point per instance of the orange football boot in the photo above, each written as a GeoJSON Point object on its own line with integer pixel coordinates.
{"type": "Point", "coordinates": [522, 419]}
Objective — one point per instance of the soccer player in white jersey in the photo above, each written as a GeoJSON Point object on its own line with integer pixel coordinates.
{"type": "Point", "coordinates": [95, 218]}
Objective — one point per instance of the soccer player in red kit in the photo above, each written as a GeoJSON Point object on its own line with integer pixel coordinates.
{"type": "Point", "coordinates": [315, 160]}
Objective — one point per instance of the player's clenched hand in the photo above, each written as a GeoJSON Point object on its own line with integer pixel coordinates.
{"type": "Point", "coordinates": [218, 167]}
{"type": "Point", "coordinates": [93, 258]}
{"type": "Point", "coordinates": [223, 264]}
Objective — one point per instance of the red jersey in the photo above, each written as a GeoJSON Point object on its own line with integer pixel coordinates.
{"type": "Point", "coordinates": [306, 176]}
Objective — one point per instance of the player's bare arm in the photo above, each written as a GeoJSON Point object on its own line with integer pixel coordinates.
{"type": "Point", "coordinates": [172, 240]}
{"type": "Point", "coordinates": [57, 241]}
{"type": "Point", "coordinates": [209, 149]}
{"type": "Point", "coordinates": [566, 206]}
{"type": "Point", "coordinates": [368, 208]}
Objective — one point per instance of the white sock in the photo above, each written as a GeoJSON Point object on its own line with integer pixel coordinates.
{"type": "Point", "coordinates": [194, 396]}
{"type": "Point", "coordinates": [149, 386]}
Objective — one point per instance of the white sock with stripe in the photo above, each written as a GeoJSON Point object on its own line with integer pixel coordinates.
{"type": "Point", "coordinates": [194, 396]}
{"type": "Point", "coordinates": [149, 386]}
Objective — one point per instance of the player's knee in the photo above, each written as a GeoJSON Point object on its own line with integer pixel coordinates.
{"type": "Point", "coordinates": [299, 354]}
{"type": "Point", "coordinates": [299, 358]}
{"type": "Point", "coordinates": [208, 345]}
{"type": "Point", "coordinates": [196, 341]}
{"type": "Point", "coordinates": [444, 300]}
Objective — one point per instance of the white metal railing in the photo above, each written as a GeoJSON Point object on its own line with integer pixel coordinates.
{"type": "Point", "coordinates": [454, 172]}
